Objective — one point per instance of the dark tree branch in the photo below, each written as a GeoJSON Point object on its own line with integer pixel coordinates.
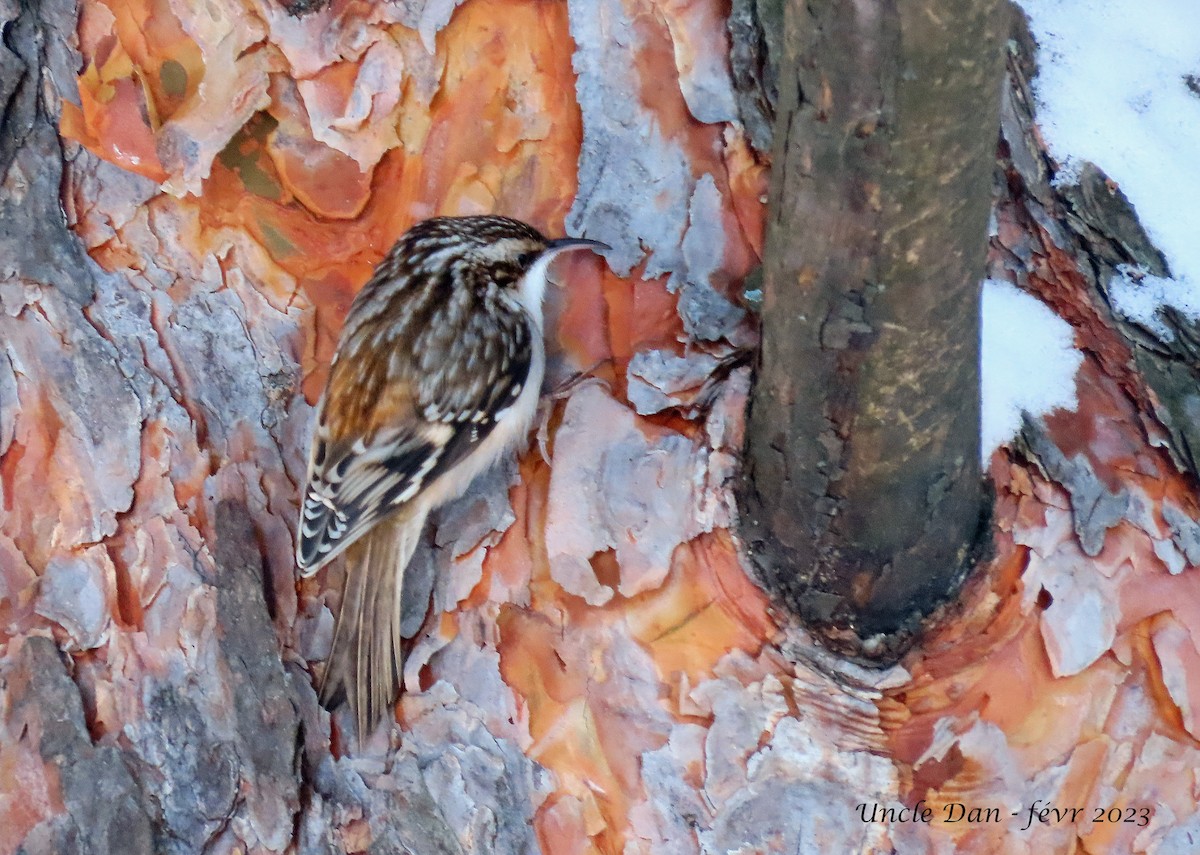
{"type": "Point", "coordinates": [862, 502]}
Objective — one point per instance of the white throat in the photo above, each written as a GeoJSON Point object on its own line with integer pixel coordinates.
{"type": "Point", "coordinates": [532, 287]}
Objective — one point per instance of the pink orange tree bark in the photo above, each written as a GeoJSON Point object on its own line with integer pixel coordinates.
{"type": "Point", "coordinates": [191, 195]}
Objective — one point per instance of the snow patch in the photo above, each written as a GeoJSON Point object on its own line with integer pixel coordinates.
{"type": "Point", "coordinates": [1119, 85]}
{"type": "Point", "coordinates": [1138, 296]}
{"type": "Point", "coordinates": [1028, 362]}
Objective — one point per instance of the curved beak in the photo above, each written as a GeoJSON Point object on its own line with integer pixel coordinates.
{"type": "Point", "coordinates": [553, 247]}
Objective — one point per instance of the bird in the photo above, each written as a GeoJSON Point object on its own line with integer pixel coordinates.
{"type": "Point", "coordinates": [436, 375]}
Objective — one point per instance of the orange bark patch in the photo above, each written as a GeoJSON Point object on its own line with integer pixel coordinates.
{"type": "Point", "coordinates": [141, 69]}
{"type": "Point", "coordinates": [114, 124]}
{"type": "Point", "coordinates": [707, 607]}
{"type": "Point", "coordinates": [571, 719]}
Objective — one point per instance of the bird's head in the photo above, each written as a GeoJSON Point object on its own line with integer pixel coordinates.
{"type": "Point", "coordinates": [487, 249]}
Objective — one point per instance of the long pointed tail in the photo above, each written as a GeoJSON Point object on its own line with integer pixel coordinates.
{"type": "Point", "coordinates": [366, 663]}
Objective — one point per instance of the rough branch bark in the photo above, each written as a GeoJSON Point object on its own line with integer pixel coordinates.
{"type": "Point", "coordinates": [862, 503]}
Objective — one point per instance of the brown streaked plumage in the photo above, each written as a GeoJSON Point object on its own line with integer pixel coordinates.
{"type": "Point", "coordinates": [437, 373]}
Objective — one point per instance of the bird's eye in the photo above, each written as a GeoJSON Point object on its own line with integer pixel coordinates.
{"type": "Point", "coordinates": [525, 259]}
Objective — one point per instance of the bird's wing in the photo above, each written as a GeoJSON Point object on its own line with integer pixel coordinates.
{"type": "Point", "coordinates": [390, 426]}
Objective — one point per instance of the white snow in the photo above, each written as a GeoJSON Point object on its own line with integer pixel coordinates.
{"type": "Point", "coordinates": [1138, 296]}
{"type": "Point", "coordinates": [1118, 85]}
{"type": "Point", "coordinates": [1027, 361]}
{"type": "Point", "coordinates": [1115, 87]}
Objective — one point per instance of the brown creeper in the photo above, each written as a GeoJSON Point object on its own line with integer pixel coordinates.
{"type": "Point", "coordinates": [437, 373]}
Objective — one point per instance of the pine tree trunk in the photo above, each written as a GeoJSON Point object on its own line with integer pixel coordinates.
{"type": "Point", "coordinates": [188, 202]}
